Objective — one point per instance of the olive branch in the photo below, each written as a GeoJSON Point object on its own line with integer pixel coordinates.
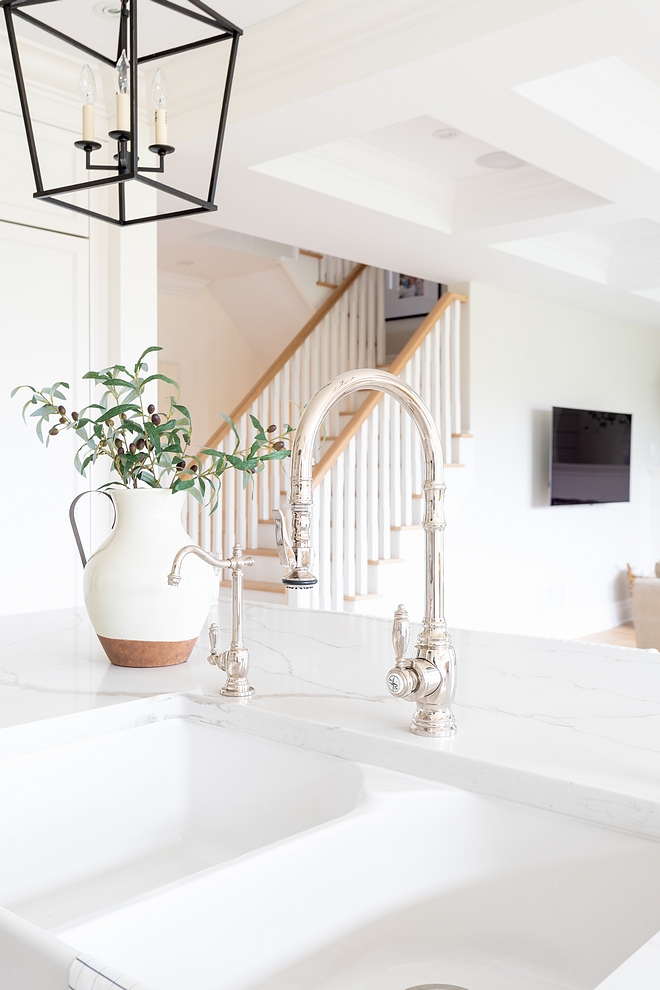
{"type": "Point", "coordinates": [146, 446]}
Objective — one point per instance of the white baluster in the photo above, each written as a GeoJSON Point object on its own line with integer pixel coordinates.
{"type": "Point", "coordinates": [384, 515]}
{"type": "Point", "coordinates": [239, 492]}
{"type": "Point", "coordinates": [315, 358]}
{"type": "Point", "coordinates": [353, 336]}
{"type": "Point", "coordinates": [362, 511]}
{"type": "Point", "coordinates": [381, 342]}
{"type": "Point", "coordinates": [263, 478]}
{"type": "Point", "coordinates": [445, 386]}
{"type": "Point", "coordinates": [228, 487]}
{"type": "Point", "coordinates": [397, 467]}
{"type": "Point", "coordinates": [205, 520]}
{"type": "Point", "coordinates": [325, 543]}
{"type": "Point", "coordinates": [276, 414]}
{"type": "Point", "coordinates": [427, 372]}
{"type": "Point", "coordinates": [337, 535]}
{"type": "Point", "coordinates": [362, 320]}
{"type": "Point", "coordinates": [372, 486]}
{"type": "Point", "coordinates": [333, 365]}
{"type": "Point", "coordinates": [456, 383]}
{"type": "Point", "coordinates": [350, 500]}
{"type": "Point", "coordinates": [404, 482]}
{"type": "Point", "coordinates": [415, 445]}
{"type": "Point", "coordinates": [371, 317]}
{"type": "Point", "coordinates": [315, 530]}
{"type": "Point", "coordinates": [216, 526]}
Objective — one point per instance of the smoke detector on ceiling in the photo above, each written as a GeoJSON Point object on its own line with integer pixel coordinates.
{"type": "Point", "coordinates": [499, 159]}
{"type": "Point", "coordinates": [446, 133]}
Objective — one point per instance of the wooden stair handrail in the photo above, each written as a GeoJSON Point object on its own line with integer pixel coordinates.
{"type": "Point", "coordinates": [287, 353]}
{"type": "Point", "coordinates": [398, 364]}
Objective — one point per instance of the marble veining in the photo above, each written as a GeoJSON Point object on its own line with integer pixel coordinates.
{"type": "Point", "coordinates": [566, 726]}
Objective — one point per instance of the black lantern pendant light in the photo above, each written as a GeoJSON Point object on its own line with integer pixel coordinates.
{"type": "Point", "coordinates": [125, 166]}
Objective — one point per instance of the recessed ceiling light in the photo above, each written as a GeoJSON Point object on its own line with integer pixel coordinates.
{"type": "Point", "coordinates": [107, 9]}
{"type": "Point", "coordinates": [446, 133]}
{"type": "Point", "coordinates": [185, 262]}
{"type": "Point", "coordinates": [499, 159]}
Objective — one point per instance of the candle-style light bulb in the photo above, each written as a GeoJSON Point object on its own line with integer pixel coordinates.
{"type": "Point", "coordinates": [159, 95]}
{"type": "Point", "coordinates": [87, 88]}
{"type": "Point", "coordinates": [123, 105]}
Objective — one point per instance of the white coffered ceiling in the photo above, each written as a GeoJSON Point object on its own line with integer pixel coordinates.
{"type": "Point", "coordinates": [333, 142]}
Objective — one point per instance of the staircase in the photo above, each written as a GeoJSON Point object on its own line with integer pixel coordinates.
{"type": "Point", "coordinates": [369, 468]}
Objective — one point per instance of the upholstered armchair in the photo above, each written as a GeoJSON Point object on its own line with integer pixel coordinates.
{"type": "Point", "coordinates": [645, 595]}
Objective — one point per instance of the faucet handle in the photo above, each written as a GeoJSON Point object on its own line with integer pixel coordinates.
{"type": "Point", "coordinates": [284, 548]}
{"type": "Point", "coordinates": [214, 632]}
{"type": "Point", "coordinates": [400, 634]}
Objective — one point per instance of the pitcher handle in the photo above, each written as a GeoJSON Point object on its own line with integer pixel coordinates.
{"type": "Point", "coordinates": [74, 525]}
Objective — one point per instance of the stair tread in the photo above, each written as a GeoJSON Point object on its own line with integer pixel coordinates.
{"type": "Point", "coordinates": [361, 598]}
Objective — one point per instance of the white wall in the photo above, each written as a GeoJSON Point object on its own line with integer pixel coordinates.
{"type": "Point", "coordinates": [73, 295]}
{"type": "Point", "coordinates": [266, 307]}
{"type": "Point", "coordinates": [216, 367]}
{"type": "Point", "coordinates": [513, 563]}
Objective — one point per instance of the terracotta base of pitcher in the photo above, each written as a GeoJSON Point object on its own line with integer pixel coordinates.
{"type": "Point", "coordinates": [143, 653]}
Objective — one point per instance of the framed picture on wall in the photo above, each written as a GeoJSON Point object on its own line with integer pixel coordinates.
{"type": "Point", "coordinates": [406, 296]}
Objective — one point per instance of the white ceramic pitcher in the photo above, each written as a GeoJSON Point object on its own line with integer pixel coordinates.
{"type": "Point", "coordinates": [139, 619]}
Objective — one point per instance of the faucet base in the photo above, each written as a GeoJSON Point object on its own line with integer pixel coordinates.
{"type": "Point", "coordinates": [237, 690]}
{"type": "Point", "coordinates": [437, 723]}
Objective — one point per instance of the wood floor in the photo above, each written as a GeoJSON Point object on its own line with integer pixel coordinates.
{"type": "Point", "coordinates": [619, 636]}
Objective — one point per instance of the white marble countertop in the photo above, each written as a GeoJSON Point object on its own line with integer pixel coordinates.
{"type": "Point", "coordinates": [571, 727]}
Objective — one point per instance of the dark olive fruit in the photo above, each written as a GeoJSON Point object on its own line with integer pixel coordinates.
{"type": "Point", "coordinates": [61, 410]}
{"type": "Point", "coordinates": [151, 408]}
{"type": "Point", "coordinates": [180, 466]}
{"type": "Point", "coordinates": [62, 419]}
{"type": "Point", "coordinates": [279, 445]}
{"type": "Point", "coordinates": [271, 428]}
{"type": "Point", "coordinates": [193, 468]}
{"type": "Point", "coordinates": [74, 417]}
{"type": "Point", "coordinates": [133, 448]}
{"type": "Point", "coordinates": [123, 416]}
{"type": "Point", "coordinates": [54, 431]}
{"type": "Point", "coordinates": [140, 444]}
{"type": "Point", "coordinates": [155, 419]}
{"type": "Point", "coordinates": [120, 449]}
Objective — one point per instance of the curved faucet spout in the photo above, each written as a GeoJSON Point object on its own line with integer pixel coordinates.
{"type": "Point", "coordinates": [433, 690]}
{"type": "Point", "coordinates": [174, 577]}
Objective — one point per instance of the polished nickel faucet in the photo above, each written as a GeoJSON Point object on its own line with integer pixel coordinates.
{"type": "Point", "coordinates": [429, 677]}
{"type": "Point", "coordinates": [236, 660]}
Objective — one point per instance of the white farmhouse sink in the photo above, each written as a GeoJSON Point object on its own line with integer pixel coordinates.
{"type": "Point", "coordinates": [198, 858]}
{"type": "Point", "coordinates": [420, 884]}
{"type": "Point", "coordinates": [87, 825]}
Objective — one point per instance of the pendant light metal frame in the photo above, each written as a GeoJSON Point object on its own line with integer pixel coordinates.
{"type": "Point", "coordinates": [127, 167]}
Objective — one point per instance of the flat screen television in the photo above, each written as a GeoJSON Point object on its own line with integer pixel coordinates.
{"type": "Point", "coordinates": [590, 457]}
